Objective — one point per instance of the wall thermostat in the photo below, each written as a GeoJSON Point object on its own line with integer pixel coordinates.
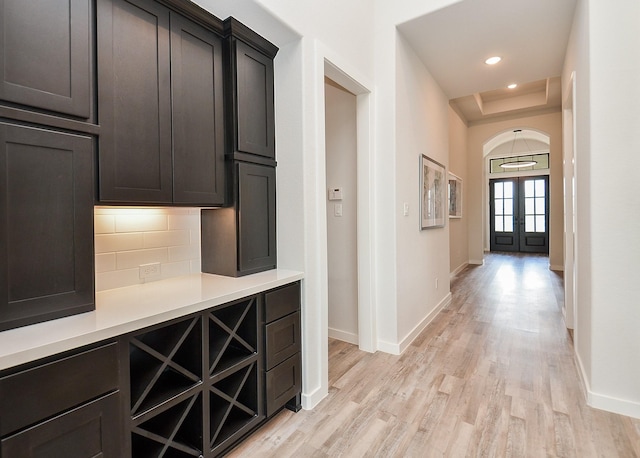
{"type": "Point", "coordinates": [335, 193]}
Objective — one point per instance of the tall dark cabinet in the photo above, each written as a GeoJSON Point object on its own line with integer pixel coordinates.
{"type": "Point", "coordinates": [241, 240]}
{"type": "Point", "coordinates": [160, 106]}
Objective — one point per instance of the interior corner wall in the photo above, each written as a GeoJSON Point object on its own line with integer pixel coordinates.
{"type": "Point", "coordinates": [422, 127]}
{"type": "Point", "coordinates": [458, 227]}
{"type": "Point", "coordinates": [614, 97]}
{"type": "Point", "coordinates": [342, 243]}
{"type": "Point", "coordinates": [477, 189]}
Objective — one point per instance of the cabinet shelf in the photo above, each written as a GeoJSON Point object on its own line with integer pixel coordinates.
{"type": "Point", "coordinates": [234, 404]}
{"type": "Point", "coordinates": [164, 363]}
{"type": "Point", "coordinates": [232, 335]}
{"type": "Point", "coordinates": [176, 432]}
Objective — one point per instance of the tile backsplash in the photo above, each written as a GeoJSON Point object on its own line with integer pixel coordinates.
{"type": "Point", "coordinates": [125, 238]}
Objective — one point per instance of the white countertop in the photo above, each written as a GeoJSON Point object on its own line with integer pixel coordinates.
{"type": "Point", "coordinates": [122, 310]}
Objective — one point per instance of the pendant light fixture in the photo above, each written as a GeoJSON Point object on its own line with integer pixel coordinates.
{"type": "Point", "coordinates": [518, 162]}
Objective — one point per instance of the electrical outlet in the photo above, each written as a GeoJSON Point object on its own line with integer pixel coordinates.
{"type": "Point", "coordinates": [149, 270]}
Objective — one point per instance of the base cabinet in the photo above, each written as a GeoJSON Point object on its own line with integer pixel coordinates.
{"type": "Point", "coordinates": [69, 407]}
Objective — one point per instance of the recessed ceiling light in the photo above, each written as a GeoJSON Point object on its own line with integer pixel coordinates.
{"type": "Point", "coordinates": [493, 60]}
{"type": "Point", "coordinates": [512, 86]}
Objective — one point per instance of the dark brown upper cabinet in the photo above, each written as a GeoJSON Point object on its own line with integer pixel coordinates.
{"type": "Point", "coordinates": [160, 107]}
{"type": "Point", "coordinates": [198, 130]}
{"type": "Point", "coordinates": [45, 60]}
{"type": "Point", "coordinates": [250, 98]}
{"type": "Point", "coordinates": [46, 225]}
{"type": "Point", "coordinates": [241, 240]}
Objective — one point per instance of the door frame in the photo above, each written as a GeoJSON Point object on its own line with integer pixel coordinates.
{"type": "Point", "coordinates": [519, 215]}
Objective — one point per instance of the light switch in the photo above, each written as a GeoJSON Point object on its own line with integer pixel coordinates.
{"type": "Point", "coordinates": [335, 193]}
{"type": "Point", "coordinates": [405, 211]}
{"type": "Point", "coordinates": [337, 209]}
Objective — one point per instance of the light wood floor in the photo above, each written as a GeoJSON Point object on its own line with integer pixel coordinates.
{"type": "Point", "coordinates": [493, 375]}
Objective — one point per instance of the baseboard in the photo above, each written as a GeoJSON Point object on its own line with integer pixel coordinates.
{"type": "Point", "coordinates": [310, 400]}
{"type": "Point", "coordinates": [476, 262]}
{"type": "Point", "coordinates": [459, 269]}
{"type": "Point", "coordinates": [344, 336]}
{"type": "Point", "coordinates": [398, 348]}
{"type": "Point", "coordinates": [556, 268]}
{"type": "Point", "coordinates": [604, 402]}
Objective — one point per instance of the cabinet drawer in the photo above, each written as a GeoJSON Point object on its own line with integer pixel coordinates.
{"type": "Point", "coordinates": [35, 394]}
{"type": "Point", "coordinates": [283, 383]}
{"type": "Point", "coordinates": [282, 339]}
{"type": "Point", "coordinates": [281, 302]}
{"type": "Point", "coordinates": [88, 431]}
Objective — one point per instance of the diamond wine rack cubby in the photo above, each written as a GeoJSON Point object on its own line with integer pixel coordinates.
{"type": "Point", "coordinates": [196, 384]}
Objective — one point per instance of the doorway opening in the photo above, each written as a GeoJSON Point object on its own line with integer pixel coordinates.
{"type": "Point", "coordinates": [519, 214]}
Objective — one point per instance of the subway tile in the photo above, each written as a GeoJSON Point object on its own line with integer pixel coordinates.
{"type": "Point", "coordinates": [184, 221]}
{"type": "Point", "coordinates": [105, 243]}
{"type": "Point", "coordinates": [196, 265]}
{"type": "Point", "coordinates": [175, 269]}
{"type": "Point", "coordinates": [105, 262]}
{"type": "Point", "coordinates": [132, 259]}
{"type": "Point", "coordinates": [184, 253]}
{"type": "Point", "coordinates": [166, 238]}
{"type": "Point", "coordinates": [141, 222]}
{"type": "Point", "coordinates": [117, 279]}
{"type": "Point", "coordinates": [195, 236]}
{"type": "Point", "coordinates": [104, 224]}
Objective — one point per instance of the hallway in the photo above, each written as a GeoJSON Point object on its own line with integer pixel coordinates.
{"type": "Point", "coordinates": [492, 375]}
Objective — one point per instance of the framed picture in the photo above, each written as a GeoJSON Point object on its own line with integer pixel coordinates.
{"type": "Point", "coordinates": [455, 196]}
{"type": "Point", "coordinates": [433, 199]}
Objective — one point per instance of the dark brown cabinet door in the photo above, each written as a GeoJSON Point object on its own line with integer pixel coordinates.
{"type": "Point", "coordinates": [134, 102]}
{"type": "Point", "coordinates": [256, 217]}
{"type": "Point", "coordinates": [45, 55]}
{"type": "Point", "coordinates": [241, 240]}
{"type": "Point", "coordinates": [254, 95]}
{"type": "Point", "coordinates": [92, 430]}
{"type": "Point", "coordinates": [198, 135]}
{"type": "Point", "coordinates": [46, 225]}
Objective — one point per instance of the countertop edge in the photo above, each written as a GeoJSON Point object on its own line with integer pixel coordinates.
{"type": "Point", "coordinates": [30, 343]}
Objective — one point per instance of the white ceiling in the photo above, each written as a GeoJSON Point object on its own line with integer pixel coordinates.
{"type": "Point", "coordinates": [530, 35]}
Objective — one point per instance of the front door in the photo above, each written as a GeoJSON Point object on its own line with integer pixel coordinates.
{"type": "Point", "coordinates": [519, 214]}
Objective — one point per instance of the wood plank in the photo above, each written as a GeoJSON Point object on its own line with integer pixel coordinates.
{"type": "Point", "coordinates": [492, 375]}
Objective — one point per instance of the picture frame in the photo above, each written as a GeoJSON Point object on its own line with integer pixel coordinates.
{"type": "Point", "coordinates": [455, 196]}
{"type": "Point", "coordinates": [433, 201]}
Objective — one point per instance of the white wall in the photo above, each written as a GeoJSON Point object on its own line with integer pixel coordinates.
{"type": "Point", "coordinates": [458, 227]}
{"type": "Point", "coordinates": [340, 131]}
{"type": "Point", "coordinates": [422, 262]}
{"type": "Point", "coordinates": [607, 110]}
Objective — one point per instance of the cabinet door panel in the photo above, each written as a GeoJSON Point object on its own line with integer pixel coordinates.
{"type": "Point", "coordinates": [283, 382]}
{"type": "Point", "coordinates": [256, 217]}
{"type": "Point", "coordinates": [45, 55]}
{"type": "Point", "coordinates": [198, 136]}
{"type": "Point", "coordinates": [134, 105]}
{"type": "Point", "coordinates": [46, 229]}
{"type": "Point", "coordinates": [254, 80]}
{"type": "Point", "coordinates": [91, 430]}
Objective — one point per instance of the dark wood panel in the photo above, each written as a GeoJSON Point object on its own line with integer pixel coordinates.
{"type": "Point", "coordinates": [256, 217]}
{"type": "Point", "coordinates": [92, 430]}
{"type": "Point", "coordinates": [281, 302]}
{"type": "Point", "coordinates": [255, 101]}
{"type": "Point", "coordinates": [282, 338]}
{"type": "Point", "coordinates": [134, 103]}
{"type": "Point", "coordinates": [198, 135]}
{"type": "Point", "coordinates": [38, 393]}
{"type": "Point", "coordinates": [45, 55]}
{"type": "Point", "coordinates": [219, 241]}
{"type": "Point", "coordinates": [46, 229]}
{"type": "Point", "coordinates": [283, 383]}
